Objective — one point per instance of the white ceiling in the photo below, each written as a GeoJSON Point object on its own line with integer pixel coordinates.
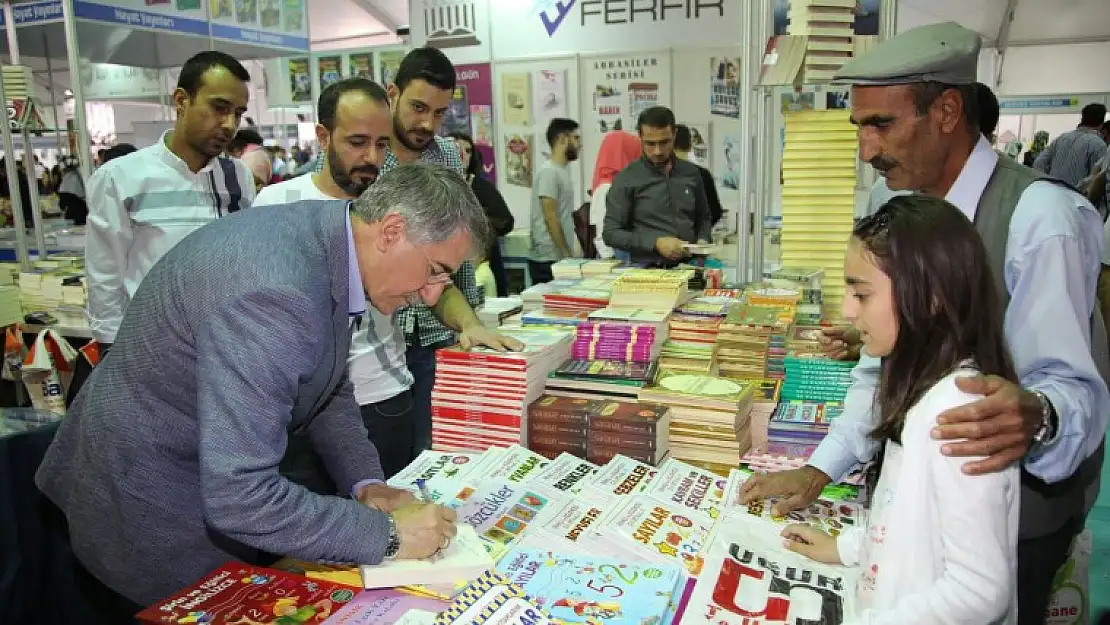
{"type": "Point", "coordinates": [1035, 21]}
{"type": "Point", "coordinates": [349, 23]}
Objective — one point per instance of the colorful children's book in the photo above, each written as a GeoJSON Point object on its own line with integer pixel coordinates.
{"type": "Point", "coordinates": [572, 529]}
{"type": "Point", "coordinates": [464, 559]}
{"type": "Point", "coordinates": [442, 473]}
{"type": "Point", "coordinates": [512, 464]}
{"type": "Point", "coordinates": [501, 511]}
{"type": "Point", "coordinates": [648, 529]}
{"type": "Point", "coordinates": [584, 589]}
{"type": "Point", "coordinates": [240, 593]}
{"type": "Point", "coordinates": [745, 583]}
{"type": "Point", "coordinates": [699, 491]}
{"type": "Point", "coordinates": [385, 607]}
{"type": "Point", "coordinates": [831, 516]}
{"type": "Point", "coordinates": [619, 477]}
{"type": "Point", "coordinates": [493, 600]}
{"type": "Point", "coordinates": [567, 473]}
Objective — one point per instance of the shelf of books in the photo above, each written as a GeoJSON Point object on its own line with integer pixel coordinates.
{"type": "Point", "coordinates": [597, 473]}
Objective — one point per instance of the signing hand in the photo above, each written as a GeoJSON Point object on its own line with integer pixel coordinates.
{"type": "Point", "coordinates": [671, 248]}
{"type": "Point", "coordinates": [477, 335]}
{"type": "Point", "coordinates": [798, 487]}
{"type": "Point", "coordinates": [840, 343]}
{"type": "Point", "coordinates": [1000, 426]}
{"type": "Point", "coordinates": [423, 528]}
{"type": "Point", "coordinates": [384, 498]}
{"type": "Point", "coordinates": [811, 542]}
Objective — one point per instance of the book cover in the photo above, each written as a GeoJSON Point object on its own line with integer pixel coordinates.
{"type": "Point", "coordinates": [584, 589]}
{"type": "Point", "coordinates": [621, 476]}
{"type": "Point", "coordinates": [658, 532]}
{"type": "Point", "coordinates": [513, 464]}
{"type": "Point", "coordinates": [568, 474]}
{"type": "Point", "coordinates": [493, 600]}
{"type": "Point", "coordinates": [465, 558]}
{"type": "Point", "coordinates": [746, 584]}
{"type": "Point", "coordinates": [441, 472]}
{"type": "Point", "coordinates": [237, 593]}
{"type": "Point", "coordinates": [501, 511]}
{"type": "Point", "coordinates": [384, 607]}
{"type": "Point", "coordinates": [825, 513]}
{"type": "Point", "coordinates": [696, 490]}
{"type": "Point", "coordinates": [572, 529]}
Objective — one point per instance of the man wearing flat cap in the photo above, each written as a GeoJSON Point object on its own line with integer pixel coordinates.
{"type": "Point", "coordinates": [914, 100]}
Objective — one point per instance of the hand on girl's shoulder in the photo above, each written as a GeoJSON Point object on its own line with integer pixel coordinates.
{"type": "Point", "coordinates": [943, 395]}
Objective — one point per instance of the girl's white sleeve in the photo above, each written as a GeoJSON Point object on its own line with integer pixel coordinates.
{"type": "Point", "coordinates": [848, 545]}
{"type": "Point", "coordinates": [977, 526]}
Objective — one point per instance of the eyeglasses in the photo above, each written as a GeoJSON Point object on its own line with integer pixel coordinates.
{"type": "Point", "coordinates": [435, 278]}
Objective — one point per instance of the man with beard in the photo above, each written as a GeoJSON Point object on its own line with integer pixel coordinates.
{"type": "Point", "coordinates": [553, 234]}
{"type": "Point", "coordinates": [657, 204]}
{"type": "Point", "coordinates": [420, 94]}
{"type": "Point", "coordinates": [144, 203]}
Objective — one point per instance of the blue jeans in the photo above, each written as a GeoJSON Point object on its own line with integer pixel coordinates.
{"type": "Point", "coordinates": [422, 365]}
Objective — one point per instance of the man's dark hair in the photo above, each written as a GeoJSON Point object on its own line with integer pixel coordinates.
{"type": "Point", "coordinates": [243, 138]}
{"type": "Point", "coordinates": [682, 139]}
{"type": "Point", "coordinates": [192, 73]}
{"type": "Point", "coordinates": [559, 127]}
{"type": "Point", "coordinates": [117, 151]}
{"type": "Point", "coordinates": [655, 117]}
{"type": "Point", "coordinates": [1093, 115]}
{"type": "Point", "coordinates": [926, 93]}
{"type": "Point", "coordinates": [427, 64]}
{"type": "Point", "coordinates": [988, 109]}
{"type": "Point", "coordinates": [329, 98]}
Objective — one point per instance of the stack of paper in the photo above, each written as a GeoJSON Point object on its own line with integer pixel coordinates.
{"type": "Point", "coordinates": [819, 196]}
{"type": "Point", "coordinates": [480, 395]}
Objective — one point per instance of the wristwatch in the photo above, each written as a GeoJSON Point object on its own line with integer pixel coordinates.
{"type": "Point", "coordinates": [394, 544]}
{"type": "Point", "coordinates": [1047, 429]}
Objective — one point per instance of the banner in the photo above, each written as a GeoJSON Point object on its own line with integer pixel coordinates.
{"type": "Point", "coordinates": [471, 111]}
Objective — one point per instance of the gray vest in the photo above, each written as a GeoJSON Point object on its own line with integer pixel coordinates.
{"type": "Point", "coordinates": [1045, 508]}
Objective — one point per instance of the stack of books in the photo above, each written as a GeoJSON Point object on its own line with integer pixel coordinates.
{"type": "Point", "coordinates": [809, 309]}
{"type": "Point", "coordinates": [819, 196]}
{"type": "Point", "coordinates": [496, 310]}
{"type": "Point", "coordinates": [532, 297]}
{"type": "Point", "coordinates": [810, 376]}
{"type": "Point", "coordinates": [653, 289]}
{"type": "Point", "coordinates": [751, 342]}
{"type": "Point", "coordinates": [625, 341]}
{"type": "Point", "coordinates": [585, 296]}
{"type": "Point", "coordinates": [704, 416]}
{"type": "Point", "coordinates": [598, 430]}
{"type": "Point", "coordinates": [599, 267]}
{"type": "Point", "coordinates": [568, 269]}
{"type": "Point", "coordinates": [480, 395]}
{"type": "Point", "coordinates": [758, 420]}
{"type": "Point", "coordinates": [600, 379]}
{"type": "Point", "coordinates": [797, 427]}
{"type": "Point", "coordinates": [828, 28]}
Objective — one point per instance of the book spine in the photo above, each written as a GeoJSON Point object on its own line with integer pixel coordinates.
{"type": "Point", "coordinates": [607, 439]}
{"type": "Point", "coordinates": [557, 416]}
{"type": "Point", "coordinates": [554, 428]}
{"type": "Point", "coordinates": [602, 455]}
{"type": "Point", "coordinates": [621, 426]}
{"type": "Point", "coordinates": [557, 445]}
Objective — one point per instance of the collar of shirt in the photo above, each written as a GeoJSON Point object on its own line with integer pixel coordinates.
{"type": "Point", "coordinates": [432, 153]}
{"type": "Point", "coordinates": [357, 302]}
{"type": "Point", "coordinates": [972, 181]}
{"type": "Point", "coordinates": [176, 162]}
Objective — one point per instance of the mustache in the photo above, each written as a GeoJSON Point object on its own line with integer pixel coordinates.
{"type": "Point", "coordinates": [883, 163]}
{"type": "Point", "coordinates": [365, 169]}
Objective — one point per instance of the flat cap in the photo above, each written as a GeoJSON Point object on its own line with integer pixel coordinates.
{"type": "Point", "coordinates": [946, 53]}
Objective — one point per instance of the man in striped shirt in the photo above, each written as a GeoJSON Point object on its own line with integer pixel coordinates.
{"type": "Point", "coordinates": [1071, 157]}
{"type": "Point", "coordinates": [144, 203]}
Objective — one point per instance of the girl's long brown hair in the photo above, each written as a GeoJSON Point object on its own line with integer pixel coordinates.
{"type": "Point", "coordinates": [946, 299]}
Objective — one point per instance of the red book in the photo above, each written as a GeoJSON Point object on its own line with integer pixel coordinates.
{"type": "Point", "coordinates": [241, 593]}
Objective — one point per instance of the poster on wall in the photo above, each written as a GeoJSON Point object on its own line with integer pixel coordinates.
{"type": "Point", "coordinates": [699, 144]}
{"type": "Point", "coordinates": [361, 65]}
{"type": "Point", "coordinates": [516, 99]}
{"type": "Point", "coordinates": [471, 111]}
{"type": "Point", "coordinates": [300, 80]}
{"type": "Point", "coordinates": [388, 62]}
{"type": "Point", "coordinates": [550, 102]}
{"type": "Point", "coordinates": [293, 12]}
{"type": "Point", "coordinates": [246, 12]}
{"type": "Point", "coordinates": [728, 171]}
{"type": "Point", "coordinates": [329, 70]}
{"type": "Point", "coordinates": [724, 87]}
{"type": "Point", "coordinates": [518, 159]}
{"type": "Point", "coordinates": [220, 9]}
{"type": "Point", "coordinates": [270, 14]}
{"type": "Point", "coordinates": [866, 13]}
{"type": "Point", "coordinates": [797, 100]}
{"type": "Point", "coordinates": [622, 87]}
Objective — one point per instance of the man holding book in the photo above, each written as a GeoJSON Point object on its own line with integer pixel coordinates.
{"type": "Point", "coordinates": [167, 465]}
{"type": "Point", "coordinates": [915, 100]}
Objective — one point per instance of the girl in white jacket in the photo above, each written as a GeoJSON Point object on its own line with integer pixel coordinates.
{"type": "Point", "coordinates": [939, 546]}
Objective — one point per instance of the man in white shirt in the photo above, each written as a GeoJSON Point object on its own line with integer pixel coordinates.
{"type": "Point", "coordinates": [553, 236]}
{"type": "Point", "coordinates": [353, 133]}
{"type": "Point", "coordinates": [142, 204]}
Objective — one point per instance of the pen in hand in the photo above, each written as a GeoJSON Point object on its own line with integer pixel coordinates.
{"type": "Point", "coordinates": [424, 494]}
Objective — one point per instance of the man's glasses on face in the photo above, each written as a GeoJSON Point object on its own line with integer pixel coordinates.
{"type": "Point", "coordinates": [435, 277]}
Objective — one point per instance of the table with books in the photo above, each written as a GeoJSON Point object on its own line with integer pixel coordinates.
{"type": "Point", "coordinates": [597, 473]}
